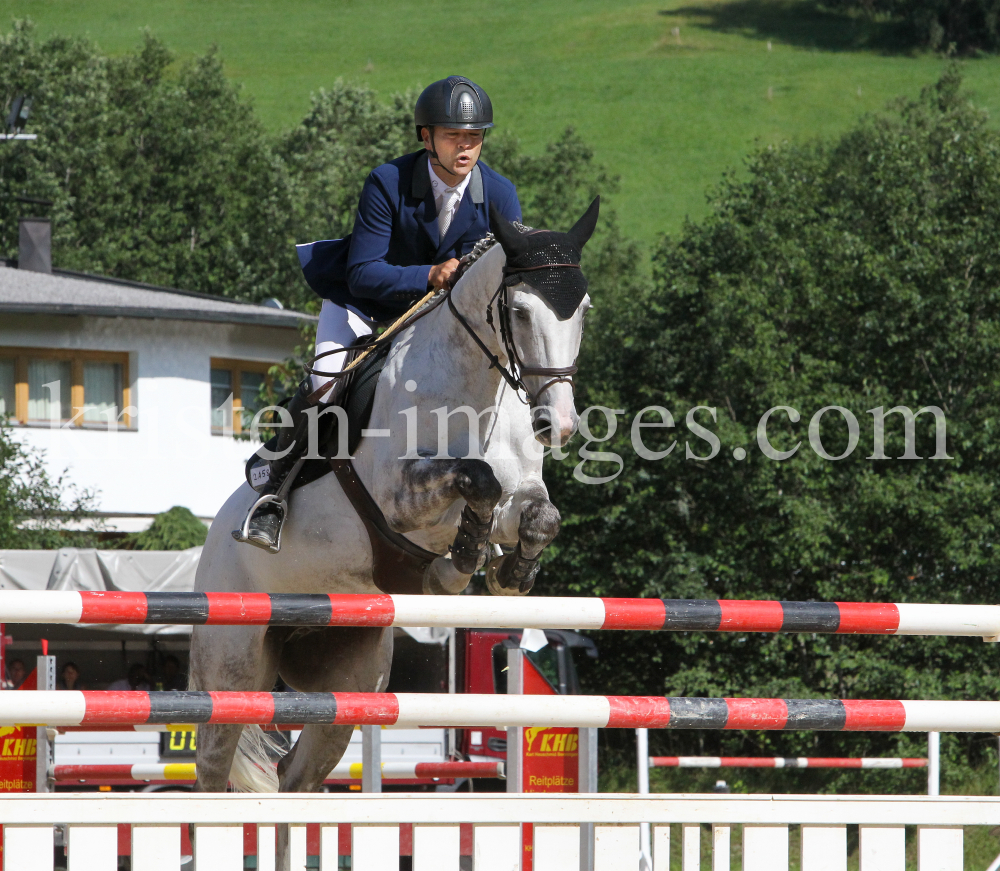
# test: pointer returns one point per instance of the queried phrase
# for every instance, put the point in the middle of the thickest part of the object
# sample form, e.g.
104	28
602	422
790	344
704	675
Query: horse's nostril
541	422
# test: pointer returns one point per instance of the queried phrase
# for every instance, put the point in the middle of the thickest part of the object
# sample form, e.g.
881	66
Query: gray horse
458	436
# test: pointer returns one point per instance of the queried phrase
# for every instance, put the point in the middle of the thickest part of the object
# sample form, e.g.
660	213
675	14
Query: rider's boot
264	528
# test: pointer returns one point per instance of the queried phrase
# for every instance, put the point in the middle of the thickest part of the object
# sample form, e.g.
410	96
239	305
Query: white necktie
447	212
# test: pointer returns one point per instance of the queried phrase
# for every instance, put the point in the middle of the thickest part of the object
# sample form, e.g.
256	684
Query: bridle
516	370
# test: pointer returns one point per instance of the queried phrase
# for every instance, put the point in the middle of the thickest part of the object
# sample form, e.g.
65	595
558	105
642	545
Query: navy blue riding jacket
382	267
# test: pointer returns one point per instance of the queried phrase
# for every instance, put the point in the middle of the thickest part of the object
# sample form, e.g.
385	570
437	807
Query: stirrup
243	533
278	500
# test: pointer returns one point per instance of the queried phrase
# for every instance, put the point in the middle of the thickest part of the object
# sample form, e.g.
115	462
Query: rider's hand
441	275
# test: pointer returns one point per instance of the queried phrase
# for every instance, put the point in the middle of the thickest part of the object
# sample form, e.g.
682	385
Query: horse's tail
253	766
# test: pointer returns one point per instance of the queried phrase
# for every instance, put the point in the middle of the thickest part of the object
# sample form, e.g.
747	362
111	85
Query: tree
35	510
863	273
158	177
175	529
968	27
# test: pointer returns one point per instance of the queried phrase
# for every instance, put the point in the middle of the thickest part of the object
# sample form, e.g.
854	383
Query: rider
417	216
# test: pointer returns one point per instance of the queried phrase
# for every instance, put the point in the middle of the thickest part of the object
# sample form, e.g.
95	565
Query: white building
139	392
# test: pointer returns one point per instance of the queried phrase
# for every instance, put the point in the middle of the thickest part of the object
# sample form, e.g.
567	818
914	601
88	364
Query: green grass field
670	94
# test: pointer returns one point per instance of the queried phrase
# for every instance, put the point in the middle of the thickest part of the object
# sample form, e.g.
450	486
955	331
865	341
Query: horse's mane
481	247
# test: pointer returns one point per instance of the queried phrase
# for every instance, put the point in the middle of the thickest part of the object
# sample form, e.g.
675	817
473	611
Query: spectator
172	678
16	673
137	679
70	678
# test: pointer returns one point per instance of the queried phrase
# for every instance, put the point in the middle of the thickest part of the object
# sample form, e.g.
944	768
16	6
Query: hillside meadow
669	94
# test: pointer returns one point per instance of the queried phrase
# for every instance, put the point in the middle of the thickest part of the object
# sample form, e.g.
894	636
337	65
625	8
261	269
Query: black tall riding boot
264	529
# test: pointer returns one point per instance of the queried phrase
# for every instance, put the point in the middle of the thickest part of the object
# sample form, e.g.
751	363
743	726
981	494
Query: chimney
34	249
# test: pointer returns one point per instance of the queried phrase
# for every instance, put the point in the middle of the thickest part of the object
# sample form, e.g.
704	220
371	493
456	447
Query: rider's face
457	151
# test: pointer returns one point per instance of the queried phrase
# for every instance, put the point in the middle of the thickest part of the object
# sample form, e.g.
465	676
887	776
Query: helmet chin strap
435	159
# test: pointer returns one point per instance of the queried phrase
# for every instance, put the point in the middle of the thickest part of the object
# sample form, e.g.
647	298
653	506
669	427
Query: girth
398	565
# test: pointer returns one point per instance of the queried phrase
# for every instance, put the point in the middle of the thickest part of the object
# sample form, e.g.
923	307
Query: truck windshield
554	661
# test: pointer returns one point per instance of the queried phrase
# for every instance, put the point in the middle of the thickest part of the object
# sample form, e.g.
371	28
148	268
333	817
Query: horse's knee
539	524
478	485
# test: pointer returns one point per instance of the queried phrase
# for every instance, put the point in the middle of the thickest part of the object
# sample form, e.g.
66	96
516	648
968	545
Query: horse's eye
521	314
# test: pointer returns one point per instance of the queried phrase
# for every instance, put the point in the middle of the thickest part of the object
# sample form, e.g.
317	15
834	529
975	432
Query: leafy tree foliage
860	273
964	26
176	529
346	134
164	174
34	508
168	179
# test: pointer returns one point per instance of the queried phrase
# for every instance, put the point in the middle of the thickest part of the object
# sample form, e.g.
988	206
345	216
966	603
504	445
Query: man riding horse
417	216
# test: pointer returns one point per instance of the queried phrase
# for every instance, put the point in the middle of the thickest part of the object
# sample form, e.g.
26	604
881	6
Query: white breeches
338	327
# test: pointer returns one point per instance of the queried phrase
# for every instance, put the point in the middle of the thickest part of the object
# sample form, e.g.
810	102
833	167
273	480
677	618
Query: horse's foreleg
537	524
429	488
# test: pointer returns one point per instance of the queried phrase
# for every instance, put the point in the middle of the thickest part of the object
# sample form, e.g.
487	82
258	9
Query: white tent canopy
141	571
83	569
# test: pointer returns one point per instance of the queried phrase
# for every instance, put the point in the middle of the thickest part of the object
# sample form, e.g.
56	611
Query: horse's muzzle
551	428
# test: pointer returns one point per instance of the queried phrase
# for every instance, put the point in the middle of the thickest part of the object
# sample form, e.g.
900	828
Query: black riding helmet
453	102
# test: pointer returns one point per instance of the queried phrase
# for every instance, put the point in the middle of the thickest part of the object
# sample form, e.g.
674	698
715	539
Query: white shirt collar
441	189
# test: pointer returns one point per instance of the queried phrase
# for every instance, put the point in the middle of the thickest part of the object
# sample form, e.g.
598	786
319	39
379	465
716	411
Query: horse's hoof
493	581
443	578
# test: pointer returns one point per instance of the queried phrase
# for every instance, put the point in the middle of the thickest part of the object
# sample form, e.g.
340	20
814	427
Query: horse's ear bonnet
547	260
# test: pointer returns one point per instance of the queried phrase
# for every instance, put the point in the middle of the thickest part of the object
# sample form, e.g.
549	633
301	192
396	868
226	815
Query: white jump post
934	763
642	766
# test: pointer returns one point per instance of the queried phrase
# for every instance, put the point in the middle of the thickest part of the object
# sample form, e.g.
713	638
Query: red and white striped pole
856	762
74	708
276	609
185	772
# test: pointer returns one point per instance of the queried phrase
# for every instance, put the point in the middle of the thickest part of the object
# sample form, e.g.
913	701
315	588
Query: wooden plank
765	848
92	848
824	848
557	848
374	848
437	848
266	841
329	847
690	847
939	848
496	848
156	848
721	845
882	848
28	848
661	848
616	848
297	848
219	848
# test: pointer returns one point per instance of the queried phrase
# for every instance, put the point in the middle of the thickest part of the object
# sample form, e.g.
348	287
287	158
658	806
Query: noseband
516	370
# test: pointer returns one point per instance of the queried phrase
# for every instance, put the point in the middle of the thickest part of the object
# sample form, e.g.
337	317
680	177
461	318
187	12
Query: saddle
399	565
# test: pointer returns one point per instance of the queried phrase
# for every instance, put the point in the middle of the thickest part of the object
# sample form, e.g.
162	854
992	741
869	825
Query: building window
236	386
7	388
65	388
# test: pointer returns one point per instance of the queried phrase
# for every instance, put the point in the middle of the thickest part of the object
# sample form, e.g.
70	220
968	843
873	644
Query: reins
514	375
424	307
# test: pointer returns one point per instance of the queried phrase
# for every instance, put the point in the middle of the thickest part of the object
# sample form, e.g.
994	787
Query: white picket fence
89	822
